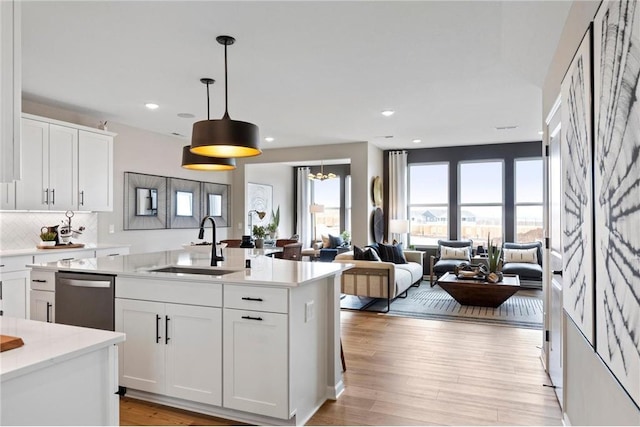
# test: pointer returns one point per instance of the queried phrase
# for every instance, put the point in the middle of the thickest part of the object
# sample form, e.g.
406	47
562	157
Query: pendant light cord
226	82
208	103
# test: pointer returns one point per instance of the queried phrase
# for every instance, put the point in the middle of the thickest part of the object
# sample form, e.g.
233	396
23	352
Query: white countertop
48	343
36	251
264	269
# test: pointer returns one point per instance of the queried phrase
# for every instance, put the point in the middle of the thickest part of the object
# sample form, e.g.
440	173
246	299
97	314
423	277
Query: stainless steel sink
193	270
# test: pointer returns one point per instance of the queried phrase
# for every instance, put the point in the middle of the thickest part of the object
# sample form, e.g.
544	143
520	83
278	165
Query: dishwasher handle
86	283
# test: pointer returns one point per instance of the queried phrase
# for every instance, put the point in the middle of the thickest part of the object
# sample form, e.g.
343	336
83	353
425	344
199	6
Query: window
481	201
528	200
428	203
347	202
327	193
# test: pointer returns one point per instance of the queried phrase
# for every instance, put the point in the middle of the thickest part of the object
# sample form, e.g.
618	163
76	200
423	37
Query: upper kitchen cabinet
10	90
50	179
68	167
95	171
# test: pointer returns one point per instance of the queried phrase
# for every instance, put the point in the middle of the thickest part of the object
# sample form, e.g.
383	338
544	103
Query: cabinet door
256	375
63	169
8	195
194	353
95	171
42	306
14	288
141	356
32	191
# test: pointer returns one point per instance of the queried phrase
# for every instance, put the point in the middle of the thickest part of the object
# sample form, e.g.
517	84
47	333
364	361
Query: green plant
346	236
259	232
493	255
48	236
275	218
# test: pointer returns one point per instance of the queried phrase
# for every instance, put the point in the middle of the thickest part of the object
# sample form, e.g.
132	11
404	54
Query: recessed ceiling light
417	141
186	115
269	139
388	113
151	105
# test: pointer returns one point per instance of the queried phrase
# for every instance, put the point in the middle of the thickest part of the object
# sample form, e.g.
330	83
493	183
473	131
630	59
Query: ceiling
305	72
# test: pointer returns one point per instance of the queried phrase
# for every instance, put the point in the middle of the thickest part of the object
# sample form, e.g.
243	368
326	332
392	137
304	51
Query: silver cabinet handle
86	283
53	196
82	198
46	196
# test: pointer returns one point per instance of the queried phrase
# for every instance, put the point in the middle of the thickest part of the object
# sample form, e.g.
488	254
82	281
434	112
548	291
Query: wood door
141	356
193	344
256	365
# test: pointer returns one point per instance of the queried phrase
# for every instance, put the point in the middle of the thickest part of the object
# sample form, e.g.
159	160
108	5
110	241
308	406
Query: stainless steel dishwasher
84	299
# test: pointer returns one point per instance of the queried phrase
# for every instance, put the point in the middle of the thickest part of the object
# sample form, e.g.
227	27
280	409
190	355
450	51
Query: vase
48	243
259	243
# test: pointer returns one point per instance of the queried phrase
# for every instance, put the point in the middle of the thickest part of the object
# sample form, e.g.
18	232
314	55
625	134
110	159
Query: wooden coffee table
478	292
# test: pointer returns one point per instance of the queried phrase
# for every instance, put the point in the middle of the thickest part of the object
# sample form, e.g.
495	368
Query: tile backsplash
21	230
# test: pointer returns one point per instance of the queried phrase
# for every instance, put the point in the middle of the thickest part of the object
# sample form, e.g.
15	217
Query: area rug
523	310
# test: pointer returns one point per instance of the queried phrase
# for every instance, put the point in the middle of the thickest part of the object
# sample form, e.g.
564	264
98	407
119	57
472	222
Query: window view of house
327	193
428	203
528	200
481	201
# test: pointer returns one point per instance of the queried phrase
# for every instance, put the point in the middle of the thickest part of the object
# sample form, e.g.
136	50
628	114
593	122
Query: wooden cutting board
68	246
7	342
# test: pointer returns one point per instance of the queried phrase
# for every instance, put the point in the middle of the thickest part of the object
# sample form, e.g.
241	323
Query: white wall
592	395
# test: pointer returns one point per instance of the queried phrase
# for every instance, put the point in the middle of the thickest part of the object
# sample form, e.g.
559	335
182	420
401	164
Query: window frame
446	205
525	204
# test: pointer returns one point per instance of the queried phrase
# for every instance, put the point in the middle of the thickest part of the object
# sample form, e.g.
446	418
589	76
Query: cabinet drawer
63	254
180	292
112	251
43	280
15	263
259	298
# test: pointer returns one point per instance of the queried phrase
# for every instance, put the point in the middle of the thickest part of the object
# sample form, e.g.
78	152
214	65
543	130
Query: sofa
380	279
525	260
449	255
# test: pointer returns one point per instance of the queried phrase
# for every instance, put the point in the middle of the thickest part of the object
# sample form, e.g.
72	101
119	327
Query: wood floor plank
405	371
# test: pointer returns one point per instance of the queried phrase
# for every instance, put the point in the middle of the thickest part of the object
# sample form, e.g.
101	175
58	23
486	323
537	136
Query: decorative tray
461	277
67	246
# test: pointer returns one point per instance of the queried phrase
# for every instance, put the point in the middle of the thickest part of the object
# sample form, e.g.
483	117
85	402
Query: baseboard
333	393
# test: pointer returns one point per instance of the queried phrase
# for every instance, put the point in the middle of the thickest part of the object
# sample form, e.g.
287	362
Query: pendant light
321	176
225	137
204	163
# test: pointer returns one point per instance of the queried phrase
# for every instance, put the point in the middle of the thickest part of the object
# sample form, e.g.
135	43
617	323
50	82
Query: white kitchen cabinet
123	250
41	306
14	294
7	195
10	90
95	171
50	180
256	362
171	349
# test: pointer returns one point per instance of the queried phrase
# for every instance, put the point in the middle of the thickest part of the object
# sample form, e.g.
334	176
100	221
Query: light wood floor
403	371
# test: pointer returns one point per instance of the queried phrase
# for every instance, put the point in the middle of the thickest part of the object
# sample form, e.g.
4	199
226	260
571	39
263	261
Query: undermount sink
192	270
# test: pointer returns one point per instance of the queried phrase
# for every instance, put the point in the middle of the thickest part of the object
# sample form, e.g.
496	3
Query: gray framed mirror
145	201
184	203
215	202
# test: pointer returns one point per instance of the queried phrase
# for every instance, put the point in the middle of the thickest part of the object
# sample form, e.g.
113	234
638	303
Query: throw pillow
447	252
335	241
325	242
529	256
366	254
391	253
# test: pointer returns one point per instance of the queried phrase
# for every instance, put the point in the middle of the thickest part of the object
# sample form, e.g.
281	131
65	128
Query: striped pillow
447	252
528	256
391	253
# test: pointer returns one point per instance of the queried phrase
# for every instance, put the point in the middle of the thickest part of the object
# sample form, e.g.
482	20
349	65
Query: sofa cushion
445	265
391	253
448	252
404	280
536	245
413	268
366	254
454	244
524	270
529	256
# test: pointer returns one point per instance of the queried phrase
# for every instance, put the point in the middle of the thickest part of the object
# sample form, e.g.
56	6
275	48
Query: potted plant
272	228
493	261
346	236
48	238
259	232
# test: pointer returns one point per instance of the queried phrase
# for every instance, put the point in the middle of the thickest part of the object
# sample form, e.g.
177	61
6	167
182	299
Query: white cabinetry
7	195
95	171
43	286
256	347
10	90
50	179
171	349
14	286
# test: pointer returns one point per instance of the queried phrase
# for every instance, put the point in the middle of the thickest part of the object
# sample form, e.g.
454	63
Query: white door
32	191
255	360
41	306
95	171
193	341
141	356
14	287
63	168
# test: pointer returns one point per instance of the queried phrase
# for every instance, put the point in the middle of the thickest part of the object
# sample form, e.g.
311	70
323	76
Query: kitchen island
258	345
62	375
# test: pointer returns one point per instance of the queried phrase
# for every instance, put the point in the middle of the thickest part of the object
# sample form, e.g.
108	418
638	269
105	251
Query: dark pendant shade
203	163
225	138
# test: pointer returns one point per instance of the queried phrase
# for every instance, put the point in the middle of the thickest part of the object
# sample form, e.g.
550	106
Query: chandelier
321	176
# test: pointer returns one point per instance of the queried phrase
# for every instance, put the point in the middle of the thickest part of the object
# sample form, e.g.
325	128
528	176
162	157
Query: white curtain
398	185
304	201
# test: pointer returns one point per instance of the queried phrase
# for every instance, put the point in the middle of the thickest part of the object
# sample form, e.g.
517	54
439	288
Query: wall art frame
260	198
617	190
181	215
134	181
212	189
577	183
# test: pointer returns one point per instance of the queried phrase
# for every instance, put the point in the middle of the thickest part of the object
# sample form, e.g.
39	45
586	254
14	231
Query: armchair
449	255
523	259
